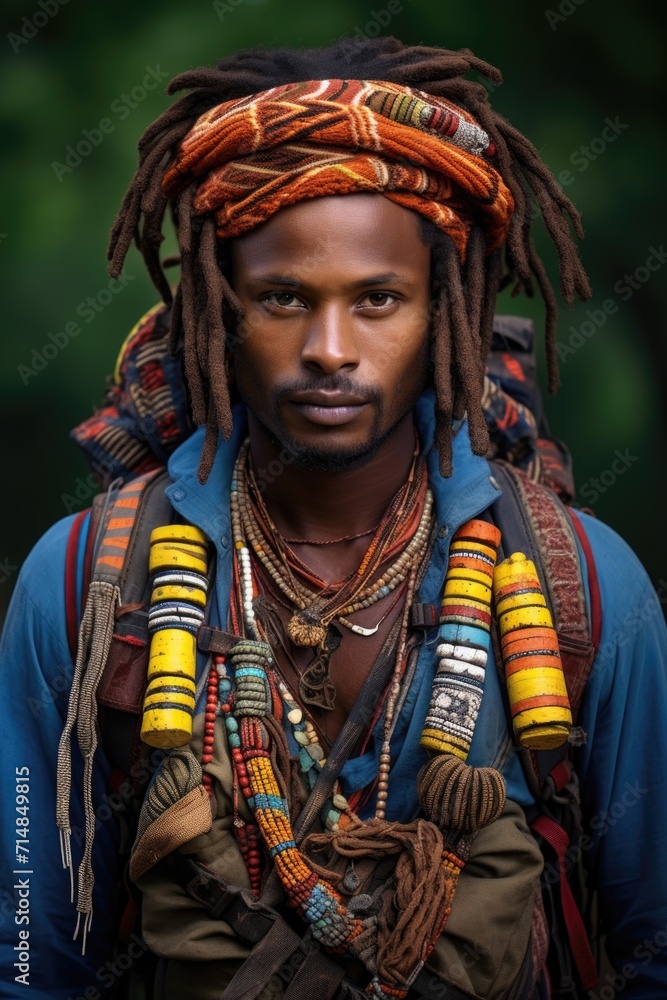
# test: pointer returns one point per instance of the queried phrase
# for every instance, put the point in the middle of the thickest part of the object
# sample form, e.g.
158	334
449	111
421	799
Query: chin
325	455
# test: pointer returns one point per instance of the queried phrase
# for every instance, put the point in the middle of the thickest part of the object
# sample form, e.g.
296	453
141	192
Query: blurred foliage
568	67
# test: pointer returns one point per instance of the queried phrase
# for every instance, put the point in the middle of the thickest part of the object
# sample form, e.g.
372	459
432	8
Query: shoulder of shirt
42	577
618	568
631	608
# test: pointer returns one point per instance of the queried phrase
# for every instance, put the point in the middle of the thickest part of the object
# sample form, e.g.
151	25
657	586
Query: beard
330	458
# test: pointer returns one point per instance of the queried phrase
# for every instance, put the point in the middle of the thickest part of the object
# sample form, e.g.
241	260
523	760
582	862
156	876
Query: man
342	243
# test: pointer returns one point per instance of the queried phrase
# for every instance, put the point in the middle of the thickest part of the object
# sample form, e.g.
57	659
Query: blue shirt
621	768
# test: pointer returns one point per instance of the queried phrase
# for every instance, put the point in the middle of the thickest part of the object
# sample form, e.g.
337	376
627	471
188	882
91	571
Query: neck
320	505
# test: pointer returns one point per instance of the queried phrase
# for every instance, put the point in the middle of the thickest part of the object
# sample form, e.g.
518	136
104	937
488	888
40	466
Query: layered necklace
399	544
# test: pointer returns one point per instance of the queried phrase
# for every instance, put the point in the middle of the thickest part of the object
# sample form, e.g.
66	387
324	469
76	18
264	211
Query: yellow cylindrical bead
179	592
441	742
453	601
173	652
525	618
171	556
543	736
185	685
166	728
534	683
468	589
169	702
178	547
461	573
515	601
159	696
178	533
539	703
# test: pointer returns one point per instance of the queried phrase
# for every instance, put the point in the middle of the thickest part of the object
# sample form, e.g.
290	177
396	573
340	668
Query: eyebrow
376	279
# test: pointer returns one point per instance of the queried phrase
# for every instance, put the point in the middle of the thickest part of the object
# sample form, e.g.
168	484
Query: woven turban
252	156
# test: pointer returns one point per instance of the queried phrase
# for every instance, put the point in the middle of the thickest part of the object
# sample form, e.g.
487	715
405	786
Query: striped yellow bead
542	732
166	728
536	681
177	555
173	651
516	567
469	546
468	602
178	533
181	680
479	576
525	618
158	696
434	739
177	592
468	588
545	736
535	597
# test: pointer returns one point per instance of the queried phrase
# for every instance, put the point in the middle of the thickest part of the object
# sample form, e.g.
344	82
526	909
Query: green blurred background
568	67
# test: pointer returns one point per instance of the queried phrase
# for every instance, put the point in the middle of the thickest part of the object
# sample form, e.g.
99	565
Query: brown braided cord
457	796
413	905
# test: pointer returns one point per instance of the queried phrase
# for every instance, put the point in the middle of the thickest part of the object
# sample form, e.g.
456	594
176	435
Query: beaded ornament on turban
258	154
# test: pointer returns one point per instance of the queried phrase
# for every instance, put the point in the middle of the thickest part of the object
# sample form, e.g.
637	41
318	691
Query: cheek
401	358
258	357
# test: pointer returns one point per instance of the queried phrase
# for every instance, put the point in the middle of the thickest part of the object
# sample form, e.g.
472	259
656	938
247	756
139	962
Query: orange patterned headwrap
260	153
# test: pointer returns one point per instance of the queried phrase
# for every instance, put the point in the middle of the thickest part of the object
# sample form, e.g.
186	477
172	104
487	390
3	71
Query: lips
330	409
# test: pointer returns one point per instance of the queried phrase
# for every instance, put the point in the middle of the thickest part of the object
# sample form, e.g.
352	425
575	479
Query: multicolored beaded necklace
318	608
402	535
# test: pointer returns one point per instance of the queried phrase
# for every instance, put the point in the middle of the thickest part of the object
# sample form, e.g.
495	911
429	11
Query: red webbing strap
560	775
71	560
90	548
558	839
593	583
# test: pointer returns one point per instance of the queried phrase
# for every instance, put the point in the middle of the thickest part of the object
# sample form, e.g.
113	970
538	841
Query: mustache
339	382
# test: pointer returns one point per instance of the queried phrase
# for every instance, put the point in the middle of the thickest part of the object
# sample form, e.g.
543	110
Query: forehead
356	231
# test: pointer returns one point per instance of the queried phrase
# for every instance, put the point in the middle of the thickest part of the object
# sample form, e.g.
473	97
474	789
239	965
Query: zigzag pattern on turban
260	153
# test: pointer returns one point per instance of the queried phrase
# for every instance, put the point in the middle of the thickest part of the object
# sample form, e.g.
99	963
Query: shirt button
494	483
443	531
224	541
178	495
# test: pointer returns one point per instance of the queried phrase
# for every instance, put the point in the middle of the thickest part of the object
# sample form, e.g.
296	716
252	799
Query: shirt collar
466	493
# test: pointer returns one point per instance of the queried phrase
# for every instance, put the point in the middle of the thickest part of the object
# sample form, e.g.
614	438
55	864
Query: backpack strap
533	520
124	679
532	517
78	532
593	582
79	566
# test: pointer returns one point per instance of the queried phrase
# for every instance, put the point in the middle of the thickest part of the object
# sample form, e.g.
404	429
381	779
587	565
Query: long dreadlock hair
204	304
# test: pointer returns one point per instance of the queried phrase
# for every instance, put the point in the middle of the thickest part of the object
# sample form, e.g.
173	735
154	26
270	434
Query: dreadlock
204	303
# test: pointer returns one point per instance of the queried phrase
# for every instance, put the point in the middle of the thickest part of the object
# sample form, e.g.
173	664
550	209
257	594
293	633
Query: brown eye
378	299
285	299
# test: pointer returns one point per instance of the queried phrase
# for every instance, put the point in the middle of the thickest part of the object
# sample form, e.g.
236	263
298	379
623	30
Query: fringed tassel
95	634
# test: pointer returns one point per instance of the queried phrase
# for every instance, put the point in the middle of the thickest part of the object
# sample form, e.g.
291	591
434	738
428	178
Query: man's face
332	351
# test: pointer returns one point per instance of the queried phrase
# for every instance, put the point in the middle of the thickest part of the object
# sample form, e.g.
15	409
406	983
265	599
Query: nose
330	345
